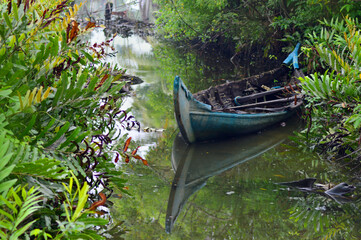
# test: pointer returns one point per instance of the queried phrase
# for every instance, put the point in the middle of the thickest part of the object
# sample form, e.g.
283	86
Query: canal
216	190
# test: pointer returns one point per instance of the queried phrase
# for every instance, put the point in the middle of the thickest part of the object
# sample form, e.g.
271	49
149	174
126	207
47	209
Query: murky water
218	190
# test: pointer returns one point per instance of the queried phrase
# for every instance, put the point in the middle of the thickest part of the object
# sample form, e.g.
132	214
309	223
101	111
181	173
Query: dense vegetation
334	101
58	107
246	26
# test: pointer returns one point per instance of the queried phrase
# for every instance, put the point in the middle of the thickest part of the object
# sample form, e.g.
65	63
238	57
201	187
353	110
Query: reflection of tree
197	71
154	105
321	217
144	211
128	56
326	217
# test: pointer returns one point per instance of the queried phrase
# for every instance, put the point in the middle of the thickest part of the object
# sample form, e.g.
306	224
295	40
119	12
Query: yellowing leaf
21	101
26	98
278	175
38	95
46	94
32	95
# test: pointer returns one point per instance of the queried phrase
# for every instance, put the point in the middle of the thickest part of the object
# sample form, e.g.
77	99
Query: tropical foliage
334	95
244	24
59	105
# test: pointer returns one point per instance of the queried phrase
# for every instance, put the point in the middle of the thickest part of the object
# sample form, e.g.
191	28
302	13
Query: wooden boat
238	107
194	164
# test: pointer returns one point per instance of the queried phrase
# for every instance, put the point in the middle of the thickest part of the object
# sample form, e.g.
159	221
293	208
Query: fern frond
43	168
5	164
33	97
18	205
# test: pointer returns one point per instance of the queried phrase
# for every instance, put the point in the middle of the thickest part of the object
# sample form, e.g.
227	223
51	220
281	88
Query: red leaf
138	157
127	159
145	162
102	81
135	151
126	145
43	17
26	5
90	25
98	203
74	31
116	158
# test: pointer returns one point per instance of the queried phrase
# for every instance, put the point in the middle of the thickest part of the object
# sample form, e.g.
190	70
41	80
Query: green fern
44	168
77	224
18	205
5	164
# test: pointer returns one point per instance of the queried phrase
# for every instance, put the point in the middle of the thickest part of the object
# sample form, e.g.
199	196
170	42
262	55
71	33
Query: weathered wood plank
262	94
282	100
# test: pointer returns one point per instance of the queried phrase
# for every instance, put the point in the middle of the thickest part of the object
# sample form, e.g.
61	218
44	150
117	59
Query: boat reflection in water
194	164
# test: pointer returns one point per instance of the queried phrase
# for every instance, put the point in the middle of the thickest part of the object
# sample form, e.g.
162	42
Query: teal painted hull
220	125
197	122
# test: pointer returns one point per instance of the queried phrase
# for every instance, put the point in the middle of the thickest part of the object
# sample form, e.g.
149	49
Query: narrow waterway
221	190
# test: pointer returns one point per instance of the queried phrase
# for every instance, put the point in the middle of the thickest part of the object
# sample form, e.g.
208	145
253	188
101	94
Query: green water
224	190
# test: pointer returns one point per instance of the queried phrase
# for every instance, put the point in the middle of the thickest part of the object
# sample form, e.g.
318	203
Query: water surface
218	190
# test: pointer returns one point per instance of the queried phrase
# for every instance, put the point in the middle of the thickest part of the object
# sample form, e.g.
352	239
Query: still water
217	190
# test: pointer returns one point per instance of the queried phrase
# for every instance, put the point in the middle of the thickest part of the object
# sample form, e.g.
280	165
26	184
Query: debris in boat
266	88
242	99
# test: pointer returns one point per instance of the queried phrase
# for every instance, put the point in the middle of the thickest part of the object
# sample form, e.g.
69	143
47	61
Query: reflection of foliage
197	70
325	217
144	213
315	213
155	105
239	203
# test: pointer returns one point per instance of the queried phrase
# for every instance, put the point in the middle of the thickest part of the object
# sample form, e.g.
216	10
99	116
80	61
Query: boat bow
184	103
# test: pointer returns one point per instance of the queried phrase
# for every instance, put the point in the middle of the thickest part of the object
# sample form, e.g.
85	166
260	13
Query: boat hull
208	126
197	122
